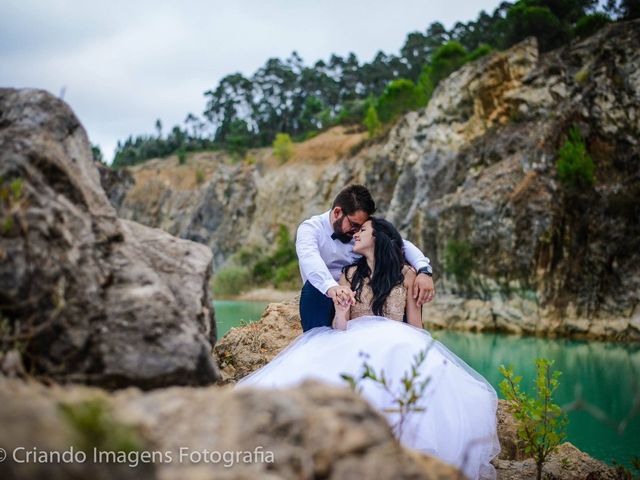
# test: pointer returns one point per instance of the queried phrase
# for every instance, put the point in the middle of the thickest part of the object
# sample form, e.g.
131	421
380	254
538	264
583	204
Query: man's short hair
354	198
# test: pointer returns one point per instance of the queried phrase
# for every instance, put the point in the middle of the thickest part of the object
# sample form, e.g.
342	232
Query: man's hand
342	296
423	289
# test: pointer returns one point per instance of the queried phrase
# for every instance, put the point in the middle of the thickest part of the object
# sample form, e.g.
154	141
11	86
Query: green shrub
590	24
238	139
447	59
182	156
582	76
283	147
399	96
352	111
525	20
540	422
372	122
231	280
287	276
575	166
459	260
481	51
283	256
199	176
10	202
95	427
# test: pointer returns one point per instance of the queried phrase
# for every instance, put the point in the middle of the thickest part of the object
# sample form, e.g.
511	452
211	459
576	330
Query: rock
34	422
511	447
567	463
85	296
311	431
115	182
245	349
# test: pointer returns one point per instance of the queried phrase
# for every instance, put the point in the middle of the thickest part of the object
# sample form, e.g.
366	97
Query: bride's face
364	240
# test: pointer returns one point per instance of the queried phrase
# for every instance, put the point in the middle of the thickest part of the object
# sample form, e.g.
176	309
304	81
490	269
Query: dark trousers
316	309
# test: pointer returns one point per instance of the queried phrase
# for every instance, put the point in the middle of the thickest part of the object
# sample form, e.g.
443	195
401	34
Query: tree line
285	96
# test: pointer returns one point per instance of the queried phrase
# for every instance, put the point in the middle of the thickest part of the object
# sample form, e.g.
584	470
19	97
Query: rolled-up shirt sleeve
312	267
415	257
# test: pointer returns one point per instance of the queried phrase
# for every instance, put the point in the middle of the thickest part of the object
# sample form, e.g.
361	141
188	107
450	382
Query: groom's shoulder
315	221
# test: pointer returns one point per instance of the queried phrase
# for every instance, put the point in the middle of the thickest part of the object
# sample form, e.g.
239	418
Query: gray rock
84	295
311	431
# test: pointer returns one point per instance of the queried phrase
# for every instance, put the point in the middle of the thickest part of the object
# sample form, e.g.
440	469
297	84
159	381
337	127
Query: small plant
280	267
582	76
283	147
372	122
182	156
231	281
95	427
407	398
540	422
199	176
11	196
459	260
575	165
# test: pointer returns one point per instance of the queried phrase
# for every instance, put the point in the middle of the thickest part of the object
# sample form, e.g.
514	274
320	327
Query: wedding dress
458	424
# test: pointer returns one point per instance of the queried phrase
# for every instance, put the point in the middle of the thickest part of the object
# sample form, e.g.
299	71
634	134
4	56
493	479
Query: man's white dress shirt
322	259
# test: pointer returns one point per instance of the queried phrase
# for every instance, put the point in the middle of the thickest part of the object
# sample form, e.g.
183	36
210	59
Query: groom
324	244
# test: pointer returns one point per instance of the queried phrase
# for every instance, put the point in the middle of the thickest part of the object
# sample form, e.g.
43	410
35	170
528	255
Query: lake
608	373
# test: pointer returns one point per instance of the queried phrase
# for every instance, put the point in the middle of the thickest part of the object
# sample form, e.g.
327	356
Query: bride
453	419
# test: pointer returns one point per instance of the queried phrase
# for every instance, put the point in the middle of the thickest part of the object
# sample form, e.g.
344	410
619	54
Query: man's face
348	225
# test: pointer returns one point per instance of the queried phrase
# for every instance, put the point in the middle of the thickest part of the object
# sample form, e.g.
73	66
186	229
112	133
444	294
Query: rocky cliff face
84	295
476	167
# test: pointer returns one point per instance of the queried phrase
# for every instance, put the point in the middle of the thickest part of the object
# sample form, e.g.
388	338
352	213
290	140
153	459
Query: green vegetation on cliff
289	97
253	267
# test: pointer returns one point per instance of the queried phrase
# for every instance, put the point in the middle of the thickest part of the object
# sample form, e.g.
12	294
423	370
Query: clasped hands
423	291
343	297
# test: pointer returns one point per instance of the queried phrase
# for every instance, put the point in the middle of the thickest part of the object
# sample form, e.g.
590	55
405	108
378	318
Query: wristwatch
426	271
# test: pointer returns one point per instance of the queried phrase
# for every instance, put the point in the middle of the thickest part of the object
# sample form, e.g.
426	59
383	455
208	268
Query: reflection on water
609	374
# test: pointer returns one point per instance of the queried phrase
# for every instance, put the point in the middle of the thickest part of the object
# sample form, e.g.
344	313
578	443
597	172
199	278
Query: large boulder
85	296
312	431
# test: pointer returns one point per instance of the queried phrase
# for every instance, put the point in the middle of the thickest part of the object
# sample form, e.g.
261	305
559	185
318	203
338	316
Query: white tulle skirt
458	424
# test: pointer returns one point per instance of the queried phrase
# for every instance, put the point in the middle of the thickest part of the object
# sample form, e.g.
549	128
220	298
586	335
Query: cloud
123	64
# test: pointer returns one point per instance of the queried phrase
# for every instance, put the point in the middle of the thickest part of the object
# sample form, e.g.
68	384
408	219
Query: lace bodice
393	307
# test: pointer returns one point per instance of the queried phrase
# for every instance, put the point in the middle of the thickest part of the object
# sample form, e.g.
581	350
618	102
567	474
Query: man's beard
343	237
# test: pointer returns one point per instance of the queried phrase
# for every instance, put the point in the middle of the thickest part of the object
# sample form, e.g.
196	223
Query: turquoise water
230	313
609	374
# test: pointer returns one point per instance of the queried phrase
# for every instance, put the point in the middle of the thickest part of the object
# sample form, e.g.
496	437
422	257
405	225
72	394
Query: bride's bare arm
414	312
341	317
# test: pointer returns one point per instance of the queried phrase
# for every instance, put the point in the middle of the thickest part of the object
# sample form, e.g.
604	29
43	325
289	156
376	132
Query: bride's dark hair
389	261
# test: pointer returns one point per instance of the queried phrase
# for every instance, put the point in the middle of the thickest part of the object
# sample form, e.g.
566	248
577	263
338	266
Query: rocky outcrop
243	350
115	182
85	296
477	166
312	431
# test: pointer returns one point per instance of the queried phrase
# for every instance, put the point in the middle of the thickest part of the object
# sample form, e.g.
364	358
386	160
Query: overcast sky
123	64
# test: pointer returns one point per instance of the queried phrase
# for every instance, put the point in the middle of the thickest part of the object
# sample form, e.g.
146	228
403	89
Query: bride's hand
342	295
341	307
